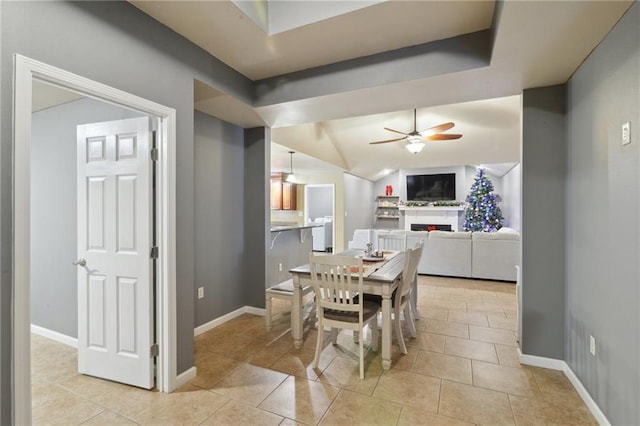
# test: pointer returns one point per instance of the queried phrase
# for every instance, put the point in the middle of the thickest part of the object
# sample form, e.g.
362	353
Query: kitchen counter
278	228
290	245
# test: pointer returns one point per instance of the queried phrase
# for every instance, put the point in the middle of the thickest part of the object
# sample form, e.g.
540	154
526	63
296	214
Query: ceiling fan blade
396	131
437	129
385	141
443	137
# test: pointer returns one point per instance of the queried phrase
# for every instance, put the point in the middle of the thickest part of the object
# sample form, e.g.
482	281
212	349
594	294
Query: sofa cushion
360	238
447	253
450	235
496	236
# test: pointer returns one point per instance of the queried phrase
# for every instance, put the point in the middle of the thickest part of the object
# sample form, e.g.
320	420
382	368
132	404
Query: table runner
370	267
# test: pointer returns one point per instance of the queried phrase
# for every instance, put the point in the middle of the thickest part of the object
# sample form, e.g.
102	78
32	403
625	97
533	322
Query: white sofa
495	255
481	255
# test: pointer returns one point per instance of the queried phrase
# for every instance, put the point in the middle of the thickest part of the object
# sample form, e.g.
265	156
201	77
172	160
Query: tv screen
431	187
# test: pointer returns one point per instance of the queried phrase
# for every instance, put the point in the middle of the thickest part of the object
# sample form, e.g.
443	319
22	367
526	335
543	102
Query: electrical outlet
626	133
279	267
200	292
592	345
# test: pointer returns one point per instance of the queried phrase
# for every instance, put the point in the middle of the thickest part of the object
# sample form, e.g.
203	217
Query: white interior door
115	312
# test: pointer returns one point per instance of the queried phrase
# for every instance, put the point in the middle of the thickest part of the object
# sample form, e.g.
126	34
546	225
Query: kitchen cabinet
283	193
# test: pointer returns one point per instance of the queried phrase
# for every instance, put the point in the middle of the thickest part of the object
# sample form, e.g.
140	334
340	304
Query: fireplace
447	218
430	227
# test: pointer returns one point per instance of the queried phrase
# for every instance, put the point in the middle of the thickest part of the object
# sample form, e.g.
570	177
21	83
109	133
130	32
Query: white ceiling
47	95
536	44
223	30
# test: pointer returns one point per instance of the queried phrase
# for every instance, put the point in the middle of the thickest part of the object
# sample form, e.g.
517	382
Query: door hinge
155	350
154	252
154	154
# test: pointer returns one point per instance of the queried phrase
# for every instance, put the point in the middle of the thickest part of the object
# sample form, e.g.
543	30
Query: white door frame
25	71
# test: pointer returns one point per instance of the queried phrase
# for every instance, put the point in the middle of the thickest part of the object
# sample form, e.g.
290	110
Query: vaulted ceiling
329	76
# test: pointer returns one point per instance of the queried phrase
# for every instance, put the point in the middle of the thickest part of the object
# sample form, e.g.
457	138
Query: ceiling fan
416	139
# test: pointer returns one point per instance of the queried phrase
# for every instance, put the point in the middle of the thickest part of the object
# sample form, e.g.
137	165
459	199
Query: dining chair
392	242
402	296
337	280
399	242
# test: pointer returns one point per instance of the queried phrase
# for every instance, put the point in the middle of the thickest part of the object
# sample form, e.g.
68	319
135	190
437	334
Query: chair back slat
411	261
392	242
336	281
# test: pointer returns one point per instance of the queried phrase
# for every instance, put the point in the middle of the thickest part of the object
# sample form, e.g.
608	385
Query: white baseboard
255	311
538	361
227	317
183	378
54	335
557	364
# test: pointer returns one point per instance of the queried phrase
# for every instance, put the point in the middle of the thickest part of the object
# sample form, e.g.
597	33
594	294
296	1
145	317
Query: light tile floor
461	369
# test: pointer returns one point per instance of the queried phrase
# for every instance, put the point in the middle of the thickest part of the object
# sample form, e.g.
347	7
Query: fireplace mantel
449	215
436	208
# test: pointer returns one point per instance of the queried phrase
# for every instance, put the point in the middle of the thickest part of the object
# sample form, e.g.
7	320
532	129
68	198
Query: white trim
538	361
254	311
25	70
55	336
227	317
557	364
184	378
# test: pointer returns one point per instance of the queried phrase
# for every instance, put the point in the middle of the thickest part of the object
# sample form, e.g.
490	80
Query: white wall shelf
388	209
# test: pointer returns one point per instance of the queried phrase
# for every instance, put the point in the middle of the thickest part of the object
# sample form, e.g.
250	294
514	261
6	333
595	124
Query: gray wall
219	222
392	179
543	221
319	200
358	199
115	44
603	230
289	251
53	209
257	212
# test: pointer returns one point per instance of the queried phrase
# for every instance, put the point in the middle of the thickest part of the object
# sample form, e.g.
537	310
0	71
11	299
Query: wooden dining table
382	282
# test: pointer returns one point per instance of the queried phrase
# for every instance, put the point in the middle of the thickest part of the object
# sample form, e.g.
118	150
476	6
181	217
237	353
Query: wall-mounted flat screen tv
431	187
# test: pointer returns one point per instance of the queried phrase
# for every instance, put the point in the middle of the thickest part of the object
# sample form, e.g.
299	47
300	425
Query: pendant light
291	178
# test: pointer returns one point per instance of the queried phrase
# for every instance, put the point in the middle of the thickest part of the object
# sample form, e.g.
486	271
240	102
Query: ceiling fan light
415	139
415	147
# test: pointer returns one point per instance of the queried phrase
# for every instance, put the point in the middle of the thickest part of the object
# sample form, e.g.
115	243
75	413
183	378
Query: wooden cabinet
283	193
276	193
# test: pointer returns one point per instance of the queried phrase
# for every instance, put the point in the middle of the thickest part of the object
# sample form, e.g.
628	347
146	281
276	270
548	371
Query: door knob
81	262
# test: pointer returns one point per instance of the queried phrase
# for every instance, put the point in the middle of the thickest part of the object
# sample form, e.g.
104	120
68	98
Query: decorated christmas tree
482	212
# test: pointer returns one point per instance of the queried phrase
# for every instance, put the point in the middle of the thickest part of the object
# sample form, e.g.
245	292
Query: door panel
115	327
96	213
126	218
97	320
